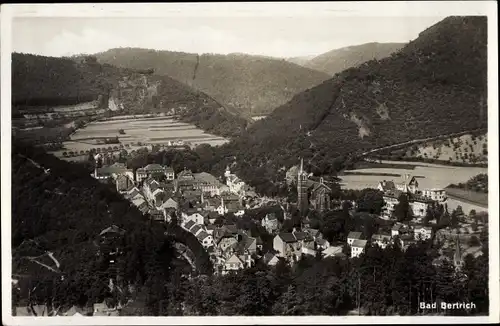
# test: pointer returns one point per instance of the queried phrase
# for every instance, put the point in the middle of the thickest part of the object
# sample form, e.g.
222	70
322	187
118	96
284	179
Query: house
124	182
391	199
382	240
419	205
322	243
205	239
288	244
170	204
111	171
434	194
154	170
357	247
233	263
422	232
396	230
207	183
246	244
270	259
410	186
197	218
386	186
226	241
270	223
353	236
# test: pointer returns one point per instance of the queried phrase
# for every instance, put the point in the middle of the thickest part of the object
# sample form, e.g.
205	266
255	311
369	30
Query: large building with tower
312	194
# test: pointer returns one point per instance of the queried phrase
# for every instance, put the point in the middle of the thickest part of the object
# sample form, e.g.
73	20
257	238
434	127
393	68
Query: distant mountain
39	81
250	85
435	85
341	59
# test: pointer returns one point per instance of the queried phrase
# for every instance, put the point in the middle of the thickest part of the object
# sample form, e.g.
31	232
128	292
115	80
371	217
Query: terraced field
138	131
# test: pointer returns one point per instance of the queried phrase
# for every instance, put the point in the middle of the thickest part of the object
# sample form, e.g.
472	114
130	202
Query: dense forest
39	82
249	85
337	60
435	85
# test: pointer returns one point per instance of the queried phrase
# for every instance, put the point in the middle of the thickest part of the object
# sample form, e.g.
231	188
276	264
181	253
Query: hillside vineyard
154	182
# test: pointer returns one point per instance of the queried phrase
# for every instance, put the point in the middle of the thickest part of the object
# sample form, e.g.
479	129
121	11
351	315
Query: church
312	194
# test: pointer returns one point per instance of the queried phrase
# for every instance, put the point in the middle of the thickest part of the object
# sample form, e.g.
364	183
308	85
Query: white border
359	9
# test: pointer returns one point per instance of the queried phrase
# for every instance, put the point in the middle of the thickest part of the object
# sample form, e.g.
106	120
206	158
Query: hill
435	85
40	82
250	85
341	59
58	213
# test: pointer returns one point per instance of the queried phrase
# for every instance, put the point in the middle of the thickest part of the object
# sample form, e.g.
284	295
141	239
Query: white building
434	194
382	240
357	248
422	232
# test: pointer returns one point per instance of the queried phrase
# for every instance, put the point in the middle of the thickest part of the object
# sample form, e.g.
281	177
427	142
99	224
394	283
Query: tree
371	201
402	210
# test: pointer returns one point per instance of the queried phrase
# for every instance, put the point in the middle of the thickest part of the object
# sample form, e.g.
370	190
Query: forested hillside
435	85
44	82
249	85
337	60
59	211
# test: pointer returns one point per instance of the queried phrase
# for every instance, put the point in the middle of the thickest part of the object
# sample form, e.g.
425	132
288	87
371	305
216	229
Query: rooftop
359	243
287	237
207	178
354	235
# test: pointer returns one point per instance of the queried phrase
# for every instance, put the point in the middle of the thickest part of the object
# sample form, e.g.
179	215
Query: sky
278	36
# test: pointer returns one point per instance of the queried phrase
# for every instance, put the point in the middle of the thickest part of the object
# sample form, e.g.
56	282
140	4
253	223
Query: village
206	206
199	203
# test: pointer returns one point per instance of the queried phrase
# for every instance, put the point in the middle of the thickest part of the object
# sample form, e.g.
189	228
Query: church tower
302	198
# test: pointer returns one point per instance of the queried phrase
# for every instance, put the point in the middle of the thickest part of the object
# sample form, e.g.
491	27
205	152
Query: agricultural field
136	132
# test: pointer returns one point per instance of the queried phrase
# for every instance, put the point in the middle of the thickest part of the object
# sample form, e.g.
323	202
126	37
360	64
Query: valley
166	183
